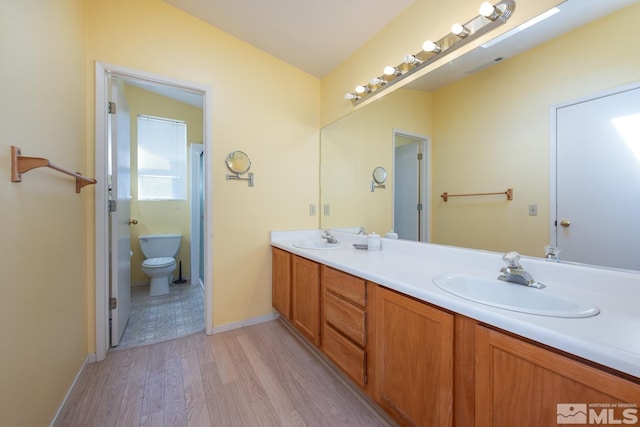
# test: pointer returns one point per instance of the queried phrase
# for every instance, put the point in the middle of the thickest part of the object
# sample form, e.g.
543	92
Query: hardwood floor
261	375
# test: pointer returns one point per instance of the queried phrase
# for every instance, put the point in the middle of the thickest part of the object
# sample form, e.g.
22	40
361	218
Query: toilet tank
160	245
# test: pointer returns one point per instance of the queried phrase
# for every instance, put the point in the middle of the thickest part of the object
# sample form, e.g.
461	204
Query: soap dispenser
373	242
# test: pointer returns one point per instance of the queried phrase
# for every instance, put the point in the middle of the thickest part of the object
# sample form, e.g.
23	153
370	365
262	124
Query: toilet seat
158	262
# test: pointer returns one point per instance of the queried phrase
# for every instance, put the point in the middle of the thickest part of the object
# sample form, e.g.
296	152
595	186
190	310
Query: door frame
103	71
553	146
425	180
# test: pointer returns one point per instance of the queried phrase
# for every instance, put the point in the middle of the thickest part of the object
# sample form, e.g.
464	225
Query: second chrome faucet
514	272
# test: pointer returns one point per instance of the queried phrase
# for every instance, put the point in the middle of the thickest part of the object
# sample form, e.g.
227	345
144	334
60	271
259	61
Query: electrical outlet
312	209
533	210
326	208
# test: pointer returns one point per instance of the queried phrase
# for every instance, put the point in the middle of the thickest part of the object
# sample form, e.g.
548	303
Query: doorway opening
411	159
113	214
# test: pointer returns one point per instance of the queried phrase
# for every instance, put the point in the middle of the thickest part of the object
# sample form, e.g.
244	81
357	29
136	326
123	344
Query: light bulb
489	11
411	60
391	71
459	30
377	81
362	89
350	96
430	46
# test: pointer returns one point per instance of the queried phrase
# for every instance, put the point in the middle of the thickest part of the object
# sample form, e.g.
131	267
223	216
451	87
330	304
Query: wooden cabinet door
281	282
414	360
305	295
521	384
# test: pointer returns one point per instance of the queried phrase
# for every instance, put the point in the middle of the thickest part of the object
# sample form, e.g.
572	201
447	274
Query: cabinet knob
565	223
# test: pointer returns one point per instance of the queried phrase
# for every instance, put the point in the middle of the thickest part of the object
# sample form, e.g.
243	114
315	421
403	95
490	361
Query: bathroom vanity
431	358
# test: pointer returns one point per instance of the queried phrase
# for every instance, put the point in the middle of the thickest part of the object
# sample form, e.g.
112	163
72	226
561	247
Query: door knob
132	221
565	223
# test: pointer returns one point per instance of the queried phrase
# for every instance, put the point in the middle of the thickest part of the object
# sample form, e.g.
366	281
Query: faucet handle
512	258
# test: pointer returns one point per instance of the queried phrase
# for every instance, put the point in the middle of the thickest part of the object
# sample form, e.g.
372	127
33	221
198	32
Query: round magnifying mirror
379	175
238	162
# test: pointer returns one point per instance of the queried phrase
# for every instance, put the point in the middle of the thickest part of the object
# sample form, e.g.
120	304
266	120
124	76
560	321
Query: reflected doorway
410	186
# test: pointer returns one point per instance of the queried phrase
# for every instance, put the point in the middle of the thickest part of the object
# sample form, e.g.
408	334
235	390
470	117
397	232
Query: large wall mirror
486	123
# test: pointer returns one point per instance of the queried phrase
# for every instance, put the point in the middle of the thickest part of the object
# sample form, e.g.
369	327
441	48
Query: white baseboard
91	358
243	323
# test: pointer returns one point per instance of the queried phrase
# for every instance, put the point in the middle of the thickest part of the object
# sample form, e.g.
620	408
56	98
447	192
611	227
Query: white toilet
160	251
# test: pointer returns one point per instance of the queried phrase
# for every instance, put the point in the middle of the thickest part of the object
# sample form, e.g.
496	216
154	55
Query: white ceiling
312	35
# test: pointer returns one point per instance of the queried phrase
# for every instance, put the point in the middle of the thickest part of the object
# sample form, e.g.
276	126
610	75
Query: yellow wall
160	217
353	146
423	20
491	131
43	308
261	105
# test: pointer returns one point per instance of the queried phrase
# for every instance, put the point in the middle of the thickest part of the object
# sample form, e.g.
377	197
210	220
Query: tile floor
165	317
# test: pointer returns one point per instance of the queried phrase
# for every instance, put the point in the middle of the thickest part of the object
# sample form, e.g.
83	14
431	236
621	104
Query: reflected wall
489	132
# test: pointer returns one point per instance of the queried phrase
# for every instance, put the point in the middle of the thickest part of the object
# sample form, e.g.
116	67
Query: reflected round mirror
380	175
238	162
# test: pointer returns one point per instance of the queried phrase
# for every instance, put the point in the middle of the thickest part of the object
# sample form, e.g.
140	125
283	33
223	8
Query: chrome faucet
514	272
326	235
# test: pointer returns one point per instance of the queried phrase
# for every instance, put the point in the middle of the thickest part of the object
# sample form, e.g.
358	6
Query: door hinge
419	206
112	107
419	156
113	303
113	206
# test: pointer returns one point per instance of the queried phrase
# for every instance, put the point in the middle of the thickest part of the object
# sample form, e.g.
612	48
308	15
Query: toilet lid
158	262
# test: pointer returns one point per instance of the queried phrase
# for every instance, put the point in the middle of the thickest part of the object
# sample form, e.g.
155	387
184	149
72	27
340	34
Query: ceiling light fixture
490	17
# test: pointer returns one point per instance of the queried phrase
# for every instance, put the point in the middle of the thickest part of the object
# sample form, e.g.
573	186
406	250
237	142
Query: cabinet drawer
348	356
345	317
346	285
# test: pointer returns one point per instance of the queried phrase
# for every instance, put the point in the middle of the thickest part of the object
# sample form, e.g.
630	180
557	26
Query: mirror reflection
238	162
490	129
379	175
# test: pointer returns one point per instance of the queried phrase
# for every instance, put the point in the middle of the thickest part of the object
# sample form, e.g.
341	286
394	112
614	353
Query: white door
406	192
598	180
119	140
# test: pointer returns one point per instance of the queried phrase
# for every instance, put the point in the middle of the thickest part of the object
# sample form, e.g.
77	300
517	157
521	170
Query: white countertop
612	338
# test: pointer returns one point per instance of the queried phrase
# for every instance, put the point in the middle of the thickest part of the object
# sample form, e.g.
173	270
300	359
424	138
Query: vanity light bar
490	16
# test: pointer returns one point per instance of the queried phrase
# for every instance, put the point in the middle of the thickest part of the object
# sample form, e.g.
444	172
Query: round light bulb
430	46
361	89
390	70
376	81
488	11
349	96
459	30
411	60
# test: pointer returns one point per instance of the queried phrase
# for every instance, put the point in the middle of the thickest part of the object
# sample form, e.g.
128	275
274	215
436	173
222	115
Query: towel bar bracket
21	164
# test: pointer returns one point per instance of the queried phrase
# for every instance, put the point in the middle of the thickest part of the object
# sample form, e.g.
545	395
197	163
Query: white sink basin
317	244
514	297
